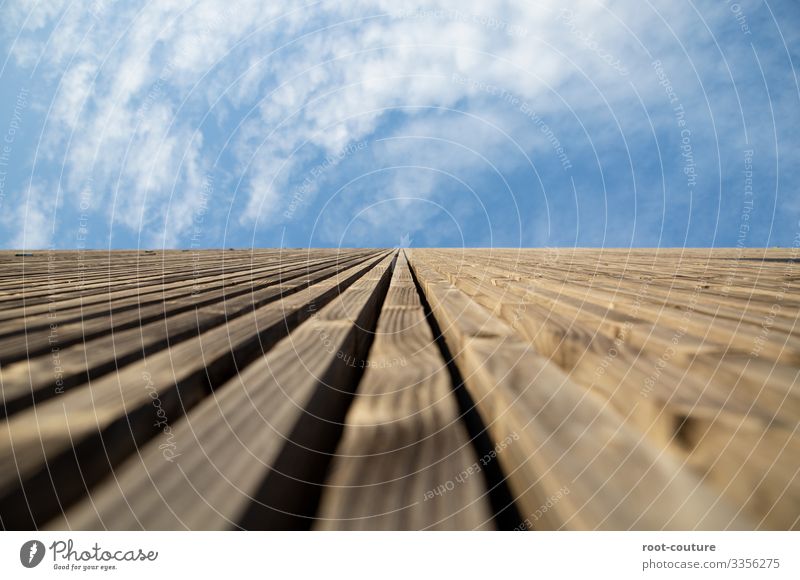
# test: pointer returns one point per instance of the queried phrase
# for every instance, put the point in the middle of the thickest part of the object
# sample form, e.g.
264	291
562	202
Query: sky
378	123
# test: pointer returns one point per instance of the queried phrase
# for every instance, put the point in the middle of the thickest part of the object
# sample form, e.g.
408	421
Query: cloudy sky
244	123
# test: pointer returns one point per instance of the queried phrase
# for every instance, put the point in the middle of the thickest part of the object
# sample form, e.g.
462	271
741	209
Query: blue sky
218	124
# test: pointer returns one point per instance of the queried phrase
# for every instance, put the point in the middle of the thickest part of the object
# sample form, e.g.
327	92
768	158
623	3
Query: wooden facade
535	389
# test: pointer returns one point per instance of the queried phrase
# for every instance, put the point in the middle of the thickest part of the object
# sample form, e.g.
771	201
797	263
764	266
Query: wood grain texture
404	460
228	442
364	389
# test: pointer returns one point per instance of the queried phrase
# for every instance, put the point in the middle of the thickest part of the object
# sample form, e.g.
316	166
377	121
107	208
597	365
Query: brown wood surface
400	389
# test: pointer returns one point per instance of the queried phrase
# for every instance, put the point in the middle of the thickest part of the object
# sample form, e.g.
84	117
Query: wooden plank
174	321
568	437
128	309
714	396
126	287
226	446
402	462
121	405
69	275
671	398
620	387
608	359
652	323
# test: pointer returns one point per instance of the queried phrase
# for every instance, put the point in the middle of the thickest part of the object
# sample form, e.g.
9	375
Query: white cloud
31	219
314	80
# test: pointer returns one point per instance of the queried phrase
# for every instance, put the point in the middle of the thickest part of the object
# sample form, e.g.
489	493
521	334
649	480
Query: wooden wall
400	389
